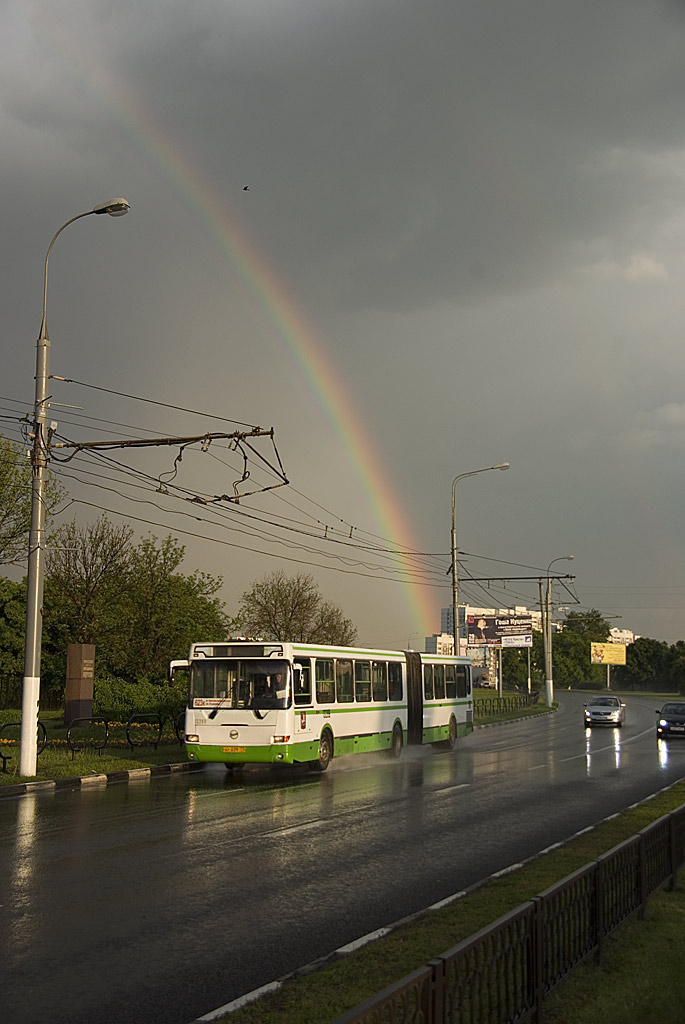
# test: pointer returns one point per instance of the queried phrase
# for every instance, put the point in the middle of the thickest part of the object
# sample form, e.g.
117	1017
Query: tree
571	648
129	600
648	664
280	607
167	610
87	580
15	502
12	626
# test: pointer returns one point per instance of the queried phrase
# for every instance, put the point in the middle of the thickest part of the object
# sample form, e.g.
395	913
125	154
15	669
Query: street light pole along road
455	576
41	448
547	632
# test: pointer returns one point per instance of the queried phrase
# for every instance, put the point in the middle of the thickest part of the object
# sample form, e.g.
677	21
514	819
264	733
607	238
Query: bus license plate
234	750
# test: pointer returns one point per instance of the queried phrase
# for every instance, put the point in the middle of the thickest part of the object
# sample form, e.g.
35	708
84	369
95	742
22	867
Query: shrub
116	699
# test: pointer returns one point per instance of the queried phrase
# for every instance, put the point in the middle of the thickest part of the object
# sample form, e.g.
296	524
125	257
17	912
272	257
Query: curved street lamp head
561	558
501	465
115	208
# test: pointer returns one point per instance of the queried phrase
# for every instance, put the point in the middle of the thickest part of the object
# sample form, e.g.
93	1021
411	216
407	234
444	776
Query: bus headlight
280	739
192	737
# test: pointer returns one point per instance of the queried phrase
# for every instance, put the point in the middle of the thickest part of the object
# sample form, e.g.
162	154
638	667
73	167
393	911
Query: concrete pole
41	446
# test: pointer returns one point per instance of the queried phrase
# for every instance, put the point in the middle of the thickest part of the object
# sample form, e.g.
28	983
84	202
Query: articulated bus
253	702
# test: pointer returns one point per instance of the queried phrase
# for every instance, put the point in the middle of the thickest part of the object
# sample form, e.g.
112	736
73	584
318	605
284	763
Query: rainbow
304	344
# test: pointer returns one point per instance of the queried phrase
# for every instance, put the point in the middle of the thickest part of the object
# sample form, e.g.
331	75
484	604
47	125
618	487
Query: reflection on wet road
158	901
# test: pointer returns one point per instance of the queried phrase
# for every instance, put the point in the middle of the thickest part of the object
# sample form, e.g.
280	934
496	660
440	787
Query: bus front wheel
325	753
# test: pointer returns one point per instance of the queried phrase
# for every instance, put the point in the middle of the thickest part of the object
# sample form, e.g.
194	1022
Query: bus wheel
325	753
451	741
397	741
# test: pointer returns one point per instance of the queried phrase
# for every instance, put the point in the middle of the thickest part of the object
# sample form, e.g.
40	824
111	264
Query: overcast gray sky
462	243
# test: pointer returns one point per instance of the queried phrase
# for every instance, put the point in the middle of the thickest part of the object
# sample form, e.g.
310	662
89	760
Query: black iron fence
11	687
503	974
490	707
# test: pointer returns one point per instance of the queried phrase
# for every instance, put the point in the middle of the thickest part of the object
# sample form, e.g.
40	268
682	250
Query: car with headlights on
606	710
671	720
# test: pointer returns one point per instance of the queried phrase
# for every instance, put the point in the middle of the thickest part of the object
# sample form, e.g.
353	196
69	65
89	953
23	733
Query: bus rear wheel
451	741
397	741
325	753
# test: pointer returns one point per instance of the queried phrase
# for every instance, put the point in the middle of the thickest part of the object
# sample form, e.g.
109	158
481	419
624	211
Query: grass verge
609	995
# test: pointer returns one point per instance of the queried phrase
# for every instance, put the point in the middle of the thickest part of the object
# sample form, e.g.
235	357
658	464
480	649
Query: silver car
604	711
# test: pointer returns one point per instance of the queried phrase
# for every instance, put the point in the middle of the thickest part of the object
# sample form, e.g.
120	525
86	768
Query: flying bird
246	188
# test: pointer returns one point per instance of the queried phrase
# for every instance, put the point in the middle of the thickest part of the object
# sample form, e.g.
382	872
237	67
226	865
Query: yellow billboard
608	654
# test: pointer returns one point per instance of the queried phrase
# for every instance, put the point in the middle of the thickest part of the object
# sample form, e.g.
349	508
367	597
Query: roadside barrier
503	974
491	706
87	739
141	719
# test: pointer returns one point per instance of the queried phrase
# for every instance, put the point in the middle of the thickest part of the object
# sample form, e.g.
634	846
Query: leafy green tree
280	607
15	502
131	601
515	669
167	610
676	668
648	665
571	648
12	626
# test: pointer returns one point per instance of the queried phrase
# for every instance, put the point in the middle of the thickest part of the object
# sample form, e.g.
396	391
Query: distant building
439	643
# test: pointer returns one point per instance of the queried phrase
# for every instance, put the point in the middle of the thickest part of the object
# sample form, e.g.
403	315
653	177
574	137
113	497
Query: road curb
105	779
131	774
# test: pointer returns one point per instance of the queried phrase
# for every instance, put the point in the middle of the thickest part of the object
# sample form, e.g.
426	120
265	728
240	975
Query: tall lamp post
455	577
547	632
41	444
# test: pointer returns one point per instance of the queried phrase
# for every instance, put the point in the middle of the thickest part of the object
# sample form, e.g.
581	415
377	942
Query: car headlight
663	722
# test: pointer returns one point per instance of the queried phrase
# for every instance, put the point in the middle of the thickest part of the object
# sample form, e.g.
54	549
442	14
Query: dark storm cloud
409	153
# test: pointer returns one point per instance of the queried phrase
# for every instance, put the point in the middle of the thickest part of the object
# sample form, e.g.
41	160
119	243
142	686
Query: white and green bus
253	702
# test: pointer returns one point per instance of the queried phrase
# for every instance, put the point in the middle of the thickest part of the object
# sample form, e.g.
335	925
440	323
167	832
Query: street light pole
41	447
455	575
547	632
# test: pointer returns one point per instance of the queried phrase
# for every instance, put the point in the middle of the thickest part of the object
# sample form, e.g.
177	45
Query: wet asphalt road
156	902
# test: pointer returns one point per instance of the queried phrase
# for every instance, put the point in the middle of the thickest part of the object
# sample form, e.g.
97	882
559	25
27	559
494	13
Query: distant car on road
604	711
671	720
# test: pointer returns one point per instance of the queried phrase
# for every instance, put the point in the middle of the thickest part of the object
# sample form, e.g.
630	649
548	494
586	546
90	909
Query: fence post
673	852
437	1002
599	909
538	955
642	873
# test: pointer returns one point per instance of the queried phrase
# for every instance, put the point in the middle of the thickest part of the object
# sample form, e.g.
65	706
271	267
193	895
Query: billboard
608	654
499	631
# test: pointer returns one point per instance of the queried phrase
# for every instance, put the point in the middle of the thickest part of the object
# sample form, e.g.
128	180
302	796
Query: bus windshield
262	683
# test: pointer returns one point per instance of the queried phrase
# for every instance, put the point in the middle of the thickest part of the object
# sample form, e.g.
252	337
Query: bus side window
428	682
439	681
462	681
325	684
343	681
395	680
362	680
450	682
303	682
379	673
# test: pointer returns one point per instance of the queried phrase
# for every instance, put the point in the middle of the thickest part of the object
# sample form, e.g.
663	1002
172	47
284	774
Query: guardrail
503	974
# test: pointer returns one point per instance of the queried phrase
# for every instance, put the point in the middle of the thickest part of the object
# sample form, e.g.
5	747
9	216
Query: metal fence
503	974
11	687
486	707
